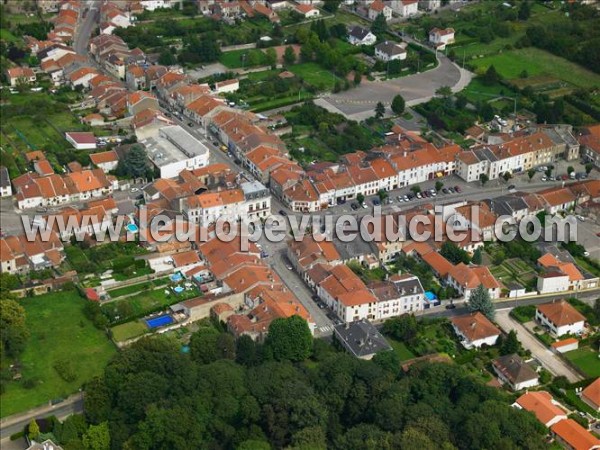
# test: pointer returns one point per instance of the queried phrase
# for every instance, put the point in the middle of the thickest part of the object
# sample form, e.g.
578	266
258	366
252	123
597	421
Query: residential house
16	75
18	255
405	8
589	139
475	330
308	11
465	279
5	187
591	395
560	318
390	51
106	161
139	101
515	372
223	87
361	36
361	339
573	436
377	8
440	37
541	403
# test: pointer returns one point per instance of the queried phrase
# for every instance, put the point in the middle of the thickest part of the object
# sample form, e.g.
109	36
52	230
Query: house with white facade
515	372
405	8
541	403
5	187
361	36
560	318
475	330
390	51
440	37
377	8
465	279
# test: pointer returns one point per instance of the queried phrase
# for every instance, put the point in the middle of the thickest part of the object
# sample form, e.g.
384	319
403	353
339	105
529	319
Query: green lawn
128	330
511	63
59	332
401	349
314	74
146	302
586	360
233	59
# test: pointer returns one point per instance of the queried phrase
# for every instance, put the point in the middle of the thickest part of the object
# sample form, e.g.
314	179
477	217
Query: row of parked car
409	197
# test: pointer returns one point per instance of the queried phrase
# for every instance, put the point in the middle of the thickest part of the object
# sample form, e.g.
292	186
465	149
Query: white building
81	140
174	149
440	37
222	87
547	410
560	318
552	281
515	372
361	36
475	330
405	8
390	51
151	5
5	187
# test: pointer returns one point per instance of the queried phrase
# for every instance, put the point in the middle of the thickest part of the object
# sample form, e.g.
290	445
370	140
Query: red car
457	189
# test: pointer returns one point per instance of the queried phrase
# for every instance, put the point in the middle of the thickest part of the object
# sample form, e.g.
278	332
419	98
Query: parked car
451	190
512	187
400	199
418	194
376	202
282	213
354	206
457	189
406	198
544	178
364	205
450	306
445	190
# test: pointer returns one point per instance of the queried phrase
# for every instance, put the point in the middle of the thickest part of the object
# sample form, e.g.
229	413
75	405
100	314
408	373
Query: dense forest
293	392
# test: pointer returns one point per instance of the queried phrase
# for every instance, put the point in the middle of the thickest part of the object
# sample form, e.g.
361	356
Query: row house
139	101
465	279
19	255
78	222
589	139
33	190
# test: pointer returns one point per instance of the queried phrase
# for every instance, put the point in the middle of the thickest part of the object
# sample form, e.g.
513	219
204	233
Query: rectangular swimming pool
132	227
159	321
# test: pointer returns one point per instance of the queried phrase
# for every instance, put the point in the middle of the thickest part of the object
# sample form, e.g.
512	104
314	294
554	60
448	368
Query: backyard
515	269
586	360
128	330
62	339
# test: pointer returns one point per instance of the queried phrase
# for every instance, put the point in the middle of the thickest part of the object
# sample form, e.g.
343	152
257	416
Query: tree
289	56
403	328
439	185
203	345
588	168
484	179
444	92
167	57
491	76
289	339
360	198
271	57
531	174
33	430
570	170
13	329
477	258
524	11
597	309
382	194
379	110
454	254
524	74
510	344
549	171
379	25
507	176
481	301
97	437
357	78
415	189
134	164
398	104
331	6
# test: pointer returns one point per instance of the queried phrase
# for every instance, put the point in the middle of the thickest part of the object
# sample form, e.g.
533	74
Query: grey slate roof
361	338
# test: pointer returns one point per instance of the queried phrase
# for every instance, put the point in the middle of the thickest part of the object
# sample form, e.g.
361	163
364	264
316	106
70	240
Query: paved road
538	350
359	103
85	28
13	424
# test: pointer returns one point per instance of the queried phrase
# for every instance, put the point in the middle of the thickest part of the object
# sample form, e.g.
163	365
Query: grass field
128	330
401	349
233	59
314	74
586	360
511	63
59	332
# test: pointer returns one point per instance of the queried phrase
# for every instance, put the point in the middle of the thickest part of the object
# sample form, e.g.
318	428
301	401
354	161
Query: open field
314	74
402	351
128	330
511	63
59	333
586	360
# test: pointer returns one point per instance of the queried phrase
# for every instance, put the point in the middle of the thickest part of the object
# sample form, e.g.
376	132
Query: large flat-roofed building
174	150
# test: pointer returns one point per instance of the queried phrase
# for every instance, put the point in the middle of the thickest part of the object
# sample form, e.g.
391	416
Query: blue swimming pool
176	277
160	321
178	289
132	227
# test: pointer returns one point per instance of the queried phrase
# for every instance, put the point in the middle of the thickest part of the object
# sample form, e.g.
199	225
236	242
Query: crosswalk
326	329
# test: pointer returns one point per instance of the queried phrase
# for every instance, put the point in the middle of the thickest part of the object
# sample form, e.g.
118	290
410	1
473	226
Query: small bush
65	370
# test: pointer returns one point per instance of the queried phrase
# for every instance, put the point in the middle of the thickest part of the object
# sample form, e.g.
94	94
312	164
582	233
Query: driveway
359	103
549	360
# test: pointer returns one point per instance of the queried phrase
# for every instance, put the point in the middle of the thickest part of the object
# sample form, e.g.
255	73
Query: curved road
359	103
